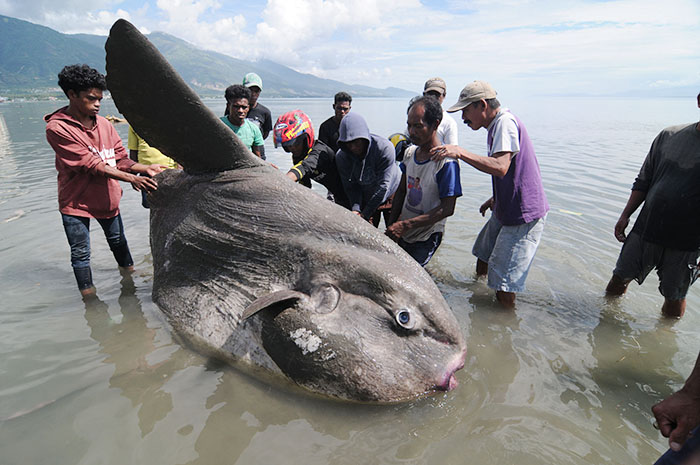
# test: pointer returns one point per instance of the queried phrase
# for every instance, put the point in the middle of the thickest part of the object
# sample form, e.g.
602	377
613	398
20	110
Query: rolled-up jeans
78	233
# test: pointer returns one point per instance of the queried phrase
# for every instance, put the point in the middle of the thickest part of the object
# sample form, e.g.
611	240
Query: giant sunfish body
265	274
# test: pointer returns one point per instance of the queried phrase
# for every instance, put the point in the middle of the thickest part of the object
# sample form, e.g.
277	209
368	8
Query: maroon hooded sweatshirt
81	156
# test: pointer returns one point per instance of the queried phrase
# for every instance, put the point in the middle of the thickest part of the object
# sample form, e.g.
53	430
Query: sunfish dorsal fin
163	109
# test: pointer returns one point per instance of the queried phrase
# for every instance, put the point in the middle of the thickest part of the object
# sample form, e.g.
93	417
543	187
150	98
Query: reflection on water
137	379
568	377
5	150
632	371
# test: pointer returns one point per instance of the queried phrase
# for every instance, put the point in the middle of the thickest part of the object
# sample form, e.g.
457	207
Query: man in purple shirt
507	243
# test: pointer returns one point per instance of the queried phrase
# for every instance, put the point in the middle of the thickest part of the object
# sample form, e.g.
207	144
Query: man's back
669	176
147	155
328	133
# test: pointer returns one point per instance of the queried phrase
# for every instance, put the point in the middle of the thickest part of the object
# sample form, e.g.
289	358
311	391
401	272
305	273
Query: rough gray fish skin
263	273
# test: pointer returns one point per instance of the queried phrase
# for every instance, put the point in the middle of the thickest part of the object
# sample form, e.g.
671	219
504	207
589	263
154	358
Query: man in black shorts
666	235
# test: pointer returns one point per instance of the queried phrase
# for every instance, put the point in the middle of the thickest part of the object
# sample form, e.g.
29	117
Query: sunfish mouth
448	381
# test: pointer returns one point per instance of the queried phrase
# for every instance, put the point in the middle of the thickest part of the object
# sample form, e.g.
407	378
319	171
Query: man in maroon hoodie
90	160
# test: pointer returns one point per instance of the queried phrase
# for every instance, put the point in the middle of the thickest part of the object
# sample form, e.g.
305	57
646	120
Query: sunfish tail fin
164	110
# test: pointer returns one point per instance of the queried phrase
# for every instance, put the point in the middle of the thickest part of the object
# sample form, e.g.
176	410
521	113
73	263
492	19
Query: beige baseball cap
473	92
437	84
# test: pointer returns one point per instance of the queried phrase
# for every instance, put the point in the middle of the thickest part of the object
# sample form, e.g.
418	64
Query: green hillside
31	56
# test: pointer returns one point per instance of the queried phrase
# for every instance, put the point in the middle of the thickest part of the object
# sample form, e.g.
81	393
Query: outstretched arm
496	165
139	183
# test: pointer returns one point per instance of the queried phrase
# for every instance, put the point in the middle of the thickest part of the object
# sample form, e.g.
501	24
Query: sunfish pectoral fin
271	299
164	110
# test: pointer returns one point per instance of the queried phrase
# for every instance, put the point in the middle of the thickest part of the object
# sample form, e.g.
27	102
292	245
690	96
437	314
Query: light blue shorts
509	251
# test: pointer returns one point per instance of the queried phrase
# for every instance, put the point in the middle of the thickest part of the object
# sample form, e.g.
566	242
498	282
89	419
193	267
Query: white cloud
545	46
314	33
68	16
182	12
570	46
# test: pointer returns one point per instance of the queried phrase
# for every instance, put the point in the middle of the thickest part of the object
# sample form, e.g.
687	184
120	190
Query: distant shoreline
23	98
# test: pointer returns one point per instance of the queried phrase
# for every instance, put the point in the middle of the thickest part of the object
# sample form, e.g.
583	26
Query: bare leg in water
507	299
671	308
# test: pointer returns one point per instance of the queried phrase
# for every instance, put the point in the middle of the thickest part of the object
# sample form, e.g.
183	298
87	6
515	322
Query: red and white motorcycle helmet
291	125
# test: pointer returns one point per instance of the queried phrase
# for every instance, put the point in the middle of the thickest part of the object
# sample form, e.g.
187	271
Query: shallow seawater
569	377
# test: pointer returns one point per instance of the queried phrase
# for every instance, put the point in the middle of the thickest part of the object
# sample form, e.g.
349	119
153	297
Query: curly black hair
80	77
342	97
235	92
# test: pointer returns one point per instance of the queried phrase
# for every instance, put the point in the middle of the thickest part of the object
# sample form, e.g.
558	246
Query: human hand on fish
143	183
154	169
396	230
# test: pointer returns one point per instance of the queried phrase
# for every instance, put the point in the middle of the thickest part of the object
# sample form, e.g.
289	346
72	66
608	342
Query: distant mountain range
31	57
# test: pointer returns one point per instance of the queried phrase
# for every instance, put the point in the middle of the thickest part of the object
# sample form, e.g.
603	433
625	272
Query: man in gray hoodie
367	167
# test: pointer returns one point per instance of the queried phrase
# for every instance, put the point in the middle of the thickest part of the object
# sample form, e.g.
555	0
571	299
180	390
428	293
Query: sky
528	47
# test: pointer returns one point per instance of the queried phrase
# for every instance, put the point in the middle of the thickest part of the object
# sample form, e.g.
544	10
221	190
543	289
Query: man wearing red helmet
312	158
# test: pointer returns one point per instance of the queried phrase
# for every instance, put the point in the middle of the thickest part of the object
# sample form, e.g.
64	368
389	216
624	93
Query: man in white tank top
428	190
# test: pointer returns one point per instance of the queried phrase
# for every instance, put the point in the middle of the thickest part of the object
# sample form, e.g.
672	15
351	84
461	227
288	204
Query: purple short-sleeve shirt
519	196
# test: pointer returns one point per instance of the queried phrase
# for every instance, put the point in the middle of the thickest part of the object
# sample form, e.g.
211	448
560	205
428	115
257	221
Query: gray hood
353	126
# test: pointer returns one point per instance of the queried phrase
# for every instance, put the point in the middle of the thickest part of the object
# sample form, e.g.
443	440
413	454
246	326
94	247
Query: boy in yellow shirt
141	152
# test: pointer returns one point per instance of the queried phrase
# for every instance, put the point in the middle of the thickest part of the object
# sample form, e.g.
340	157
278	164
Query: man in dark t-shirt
258	114
666	234
328	132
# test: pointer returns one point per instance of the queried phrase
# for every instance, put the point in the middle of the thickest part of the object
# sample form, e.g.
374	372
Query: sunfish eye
405	319
326	298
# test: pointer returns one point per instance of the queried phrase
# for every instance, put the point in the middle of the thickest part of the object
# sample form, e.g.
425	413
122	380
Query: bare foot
88	293
673	308
507	299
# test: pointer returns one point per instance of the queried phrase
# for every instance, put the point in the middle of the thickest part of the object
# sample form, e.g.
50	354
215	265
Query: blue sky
523	47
